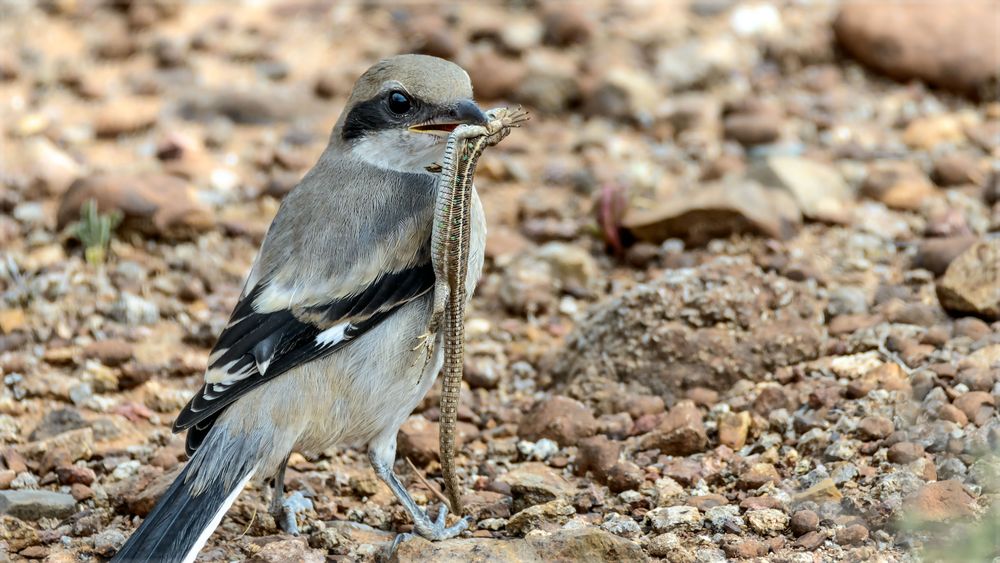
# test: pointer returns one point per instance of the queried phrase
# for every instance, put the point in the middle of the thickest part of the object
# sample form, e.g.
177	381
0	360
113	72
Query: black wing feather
284	341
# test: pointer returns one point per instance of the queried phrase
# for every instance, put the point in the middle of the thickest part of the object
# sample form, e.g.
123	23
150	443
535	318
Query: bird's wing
256	347
285	319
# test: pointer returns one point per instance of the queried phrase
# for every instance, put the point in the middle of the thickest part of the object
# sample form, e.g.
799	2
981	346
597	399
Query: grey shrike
323	347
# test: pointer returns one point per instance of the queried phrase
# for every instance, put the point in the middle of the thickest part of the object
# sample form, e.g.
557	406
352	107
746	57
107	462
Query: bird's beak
465	112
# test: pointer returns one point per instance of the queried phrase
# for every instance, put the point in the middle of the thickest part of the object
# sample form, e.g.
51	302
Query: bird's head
402	109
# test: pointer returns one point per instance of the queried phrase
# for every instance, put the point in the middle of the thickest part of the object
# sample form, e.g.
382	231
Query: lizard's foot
290	507
438	529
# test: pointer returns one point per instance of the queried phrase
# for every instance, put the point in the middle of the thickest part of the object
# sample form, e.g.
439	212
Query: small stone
294	550
934	42
969	284
803	522
81	492
958	169
746	549
108	542
978	406
875	427
753	128
811	540
151	204
936	254
733	429
928	132
624	476
899	185
681	432
820	191
716	210
532	517
767	521
72	474
566	25
758	475
125	116
565	420
597	454
111	353
852	535
33	505
672	517
905	452
481	505
940	501
621	526
952	413
535	483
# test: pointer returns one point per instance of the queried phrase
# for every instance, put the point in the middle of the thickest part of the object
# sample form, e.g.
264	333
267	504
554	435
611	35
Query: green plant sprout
94	231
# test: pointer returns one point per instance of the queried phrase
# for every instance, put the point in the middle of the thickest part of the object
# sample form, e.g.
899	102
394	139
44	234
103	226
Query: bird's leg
381	454
285	509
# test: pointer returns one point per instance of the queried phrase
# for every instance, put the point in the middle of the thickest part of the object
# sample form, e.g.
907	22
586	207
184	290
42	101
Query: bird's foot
439	529
291	506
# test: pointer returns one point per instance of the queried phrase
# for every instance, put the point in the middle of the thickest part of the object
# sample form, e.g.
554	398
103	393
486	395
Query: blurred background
741	293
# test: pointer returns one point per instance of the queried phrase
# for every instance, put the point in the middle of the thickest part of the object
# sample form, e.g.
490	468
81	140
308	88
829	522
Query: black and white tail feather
183	520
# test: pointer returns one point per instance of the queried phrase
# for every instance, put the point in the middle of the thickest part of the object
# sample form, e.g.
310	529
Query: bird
326	344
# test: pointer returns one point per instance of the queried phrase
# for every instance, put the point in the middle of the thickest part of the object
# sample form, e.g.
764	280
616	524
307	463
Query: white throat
400	150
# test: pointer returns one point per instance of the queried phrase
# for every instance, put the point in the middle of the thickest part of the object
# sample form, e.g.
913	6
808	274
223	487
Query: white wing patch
332	335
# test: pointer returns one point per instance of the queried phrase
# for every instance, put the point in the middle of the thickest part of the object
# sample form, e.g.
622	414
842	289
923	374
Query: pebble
852	535
108	542
969	284
292	550
875	427
33	505
899	185
803	522
559	418
535	483
681	432
978	406
733	429
928	41
673	517
767	521
597	454
758	475
532	517
820	191
941	501
905	452
151	204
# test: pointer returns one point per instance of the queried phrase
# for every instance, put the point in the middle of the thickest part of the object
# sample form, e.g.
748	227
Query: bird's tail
183	520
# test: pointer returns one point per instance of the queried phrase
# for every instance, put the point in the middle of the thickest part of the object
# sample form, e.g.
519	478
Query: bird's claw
291	506
438	529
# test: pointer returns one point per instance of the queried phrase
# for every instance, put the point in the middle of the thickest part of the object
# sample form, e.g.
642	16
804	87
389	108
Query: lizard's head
402	109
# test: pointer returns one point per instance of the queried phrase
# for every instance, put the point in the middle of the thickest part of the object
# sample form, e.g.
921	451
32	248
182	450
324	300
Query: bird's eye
399	103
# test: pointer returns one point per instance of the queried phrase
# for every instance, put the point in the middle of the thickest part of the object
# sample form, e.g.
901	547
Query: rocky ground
741	297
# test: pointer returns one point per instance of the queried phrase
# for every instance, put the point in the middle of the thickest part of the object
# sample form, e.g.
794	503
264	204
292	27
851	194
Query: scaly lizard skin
450	256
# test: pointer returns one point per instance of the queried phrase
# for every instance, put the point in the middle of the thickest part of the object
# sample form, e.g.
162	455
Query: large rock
971	284
153	204
947	44
706	327
581	544
716	210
